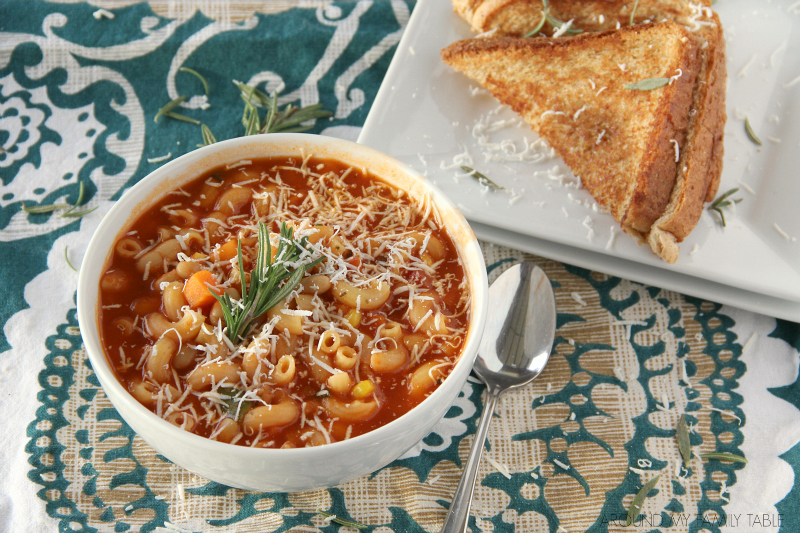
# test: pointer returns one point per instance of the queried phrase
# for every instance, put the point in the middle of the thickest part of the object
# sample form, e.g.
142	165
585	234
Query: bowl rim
129	206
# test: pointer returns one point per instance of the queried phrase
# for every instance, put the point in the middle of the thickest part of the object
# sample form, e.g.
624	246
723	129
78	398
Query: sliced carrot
227	251
196	289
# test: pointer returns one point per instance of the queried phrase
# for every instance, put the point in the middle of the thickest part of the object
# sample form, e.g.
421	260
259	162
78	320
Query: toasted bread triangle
624	144
519	17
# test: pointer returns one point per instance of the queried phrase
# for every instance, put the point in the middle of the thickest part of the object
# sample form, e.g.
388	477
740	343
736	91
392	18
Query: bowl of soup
282	312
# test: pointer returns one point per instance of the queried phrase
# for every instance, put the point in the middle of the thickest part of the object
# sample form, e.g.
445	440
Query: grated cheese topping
367	234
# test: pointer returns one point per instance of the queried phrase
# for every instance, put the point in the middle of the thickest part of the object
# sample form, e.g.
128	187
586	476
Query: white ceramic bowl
285	470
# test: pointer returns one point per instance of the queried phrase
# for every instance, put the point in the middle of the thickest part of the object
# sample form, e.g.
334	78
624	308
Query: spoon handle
458	515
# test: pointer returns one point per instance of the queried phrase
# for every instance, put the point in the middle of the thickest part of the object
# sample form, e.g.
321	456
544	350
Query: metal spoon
514	349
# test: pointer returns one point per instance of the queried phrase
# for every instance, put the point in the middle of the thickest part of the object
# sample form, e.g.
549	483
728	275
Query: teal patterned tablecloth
80	86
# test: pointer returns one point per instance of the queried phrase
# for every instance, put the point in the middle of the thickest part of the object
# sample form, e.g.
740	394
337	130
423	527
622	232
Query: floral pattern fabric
81	85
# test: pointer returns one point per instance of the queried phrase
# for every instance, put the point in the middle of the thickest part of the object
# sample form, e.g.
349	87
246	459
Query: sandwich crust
519	17
700	166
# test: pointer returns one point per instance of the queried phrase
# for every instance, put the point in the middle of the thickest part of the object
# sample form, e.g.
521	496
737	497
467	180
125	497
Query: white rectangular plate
436	119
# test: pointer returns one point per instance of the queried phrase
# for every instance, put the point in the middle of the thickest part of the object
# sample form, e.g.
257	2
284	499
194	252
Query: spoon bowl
514	350
520	330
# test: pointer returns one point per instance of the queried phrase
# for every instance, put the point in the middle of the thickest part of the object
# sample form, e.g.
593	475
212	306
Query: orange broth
368	234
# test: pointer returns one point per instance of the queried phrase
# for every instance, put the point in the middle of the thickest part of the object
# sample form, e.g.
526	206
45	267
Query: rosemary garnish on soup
271	280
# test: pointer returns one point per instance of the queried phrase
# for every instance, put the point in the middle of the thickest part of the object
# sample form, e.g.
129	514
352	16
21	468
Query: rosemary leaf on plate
748	129
722	201
482	179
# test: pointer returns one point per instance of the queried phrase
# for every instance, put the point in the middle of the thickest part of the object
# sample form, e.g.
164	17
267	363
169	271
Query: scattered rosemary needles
724	456
556	23
69	213
748	129
482	179
638	500
166	111
265	289
289	120
66	257
684	445
201	78
342	521
722	201
208	137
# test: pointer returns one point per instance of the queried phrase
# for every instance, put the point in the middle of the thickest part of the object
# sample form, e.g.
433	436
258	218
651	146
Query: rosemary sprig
724	456
265	289
342	521
638	500
288	120
722	201
748	129
482	179
199	76
682	434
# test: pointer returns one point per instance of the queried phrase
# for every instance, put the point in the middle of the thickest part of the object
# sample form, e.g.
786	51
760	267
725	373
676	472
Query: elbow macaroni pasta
364	336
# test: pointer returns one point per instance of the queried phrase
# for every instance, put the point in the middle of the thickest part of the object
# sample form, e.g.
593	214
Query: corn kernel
354	317
363	389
